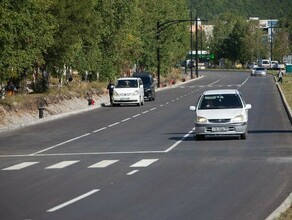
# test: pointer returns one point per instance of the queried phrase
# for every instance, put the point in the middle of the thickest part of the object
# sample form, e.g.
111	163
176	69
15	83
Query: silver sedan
260	71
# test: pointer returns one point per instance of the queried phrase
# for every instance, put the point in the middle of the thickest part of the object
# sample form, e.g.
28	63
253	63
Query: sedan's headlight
201	119
136	92
238	118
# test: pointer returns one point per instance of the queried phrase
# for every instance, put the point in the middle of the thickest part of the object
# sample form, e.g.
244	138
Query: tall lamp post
159	28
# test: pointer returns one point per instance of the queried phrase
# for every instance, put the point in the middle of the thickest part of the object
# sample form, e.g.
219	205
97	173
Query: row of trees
107	37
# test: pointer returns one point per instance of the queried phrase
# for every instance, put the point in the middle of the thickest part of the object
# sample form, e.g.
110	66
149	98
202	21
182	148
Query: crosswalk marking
103	164
62	164
144	163
20	166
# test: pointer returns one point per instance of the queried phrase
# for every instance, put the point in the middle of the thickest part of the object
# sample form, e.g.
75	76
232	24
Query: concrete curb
288	201
281	209
287	107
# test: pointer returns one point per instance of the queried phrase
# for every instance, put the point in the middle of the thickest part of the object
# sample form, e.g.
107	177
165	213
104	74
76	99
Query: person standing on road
280	76
110	88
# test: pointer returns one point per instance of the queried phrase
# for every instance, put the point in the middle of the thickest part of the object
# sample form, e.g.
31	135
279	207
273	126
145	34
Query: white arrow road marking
73	200
103	164
144	163
20	166
63	164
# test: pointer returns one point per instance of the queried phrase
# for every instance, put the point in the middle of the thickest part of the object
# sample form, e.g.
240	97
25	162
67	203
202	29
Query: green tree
76	40
26	32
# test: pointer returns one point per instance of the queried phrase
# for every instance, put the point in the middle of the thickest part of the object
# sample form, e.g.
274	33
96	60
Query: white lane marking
178	142
145	112
213	82
136	115
103	164
132	172
114	124
60	144
20	166
63	164
73	200
244	82
98	130
127	119
153	109
280	159
144	163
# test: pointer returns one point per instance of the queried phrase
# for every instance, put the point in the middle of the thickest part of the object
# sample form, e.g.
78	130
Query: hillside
265	9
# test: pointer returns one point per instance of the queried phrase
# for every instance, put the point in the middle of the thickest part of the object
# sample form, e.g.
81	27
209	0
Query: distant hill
264	9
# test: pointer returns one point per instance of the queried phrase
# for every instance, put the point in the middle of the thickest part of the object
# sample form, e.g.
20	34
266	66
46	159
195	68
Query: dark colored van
149	84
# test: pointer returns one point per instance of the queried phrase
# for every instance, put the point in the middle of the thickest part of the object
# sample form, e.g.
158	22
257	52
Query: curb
287	107
288	201
281	209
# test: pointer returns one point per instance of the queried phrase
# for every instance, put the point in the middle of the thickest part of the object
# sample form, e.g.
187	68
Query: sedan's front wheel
243	136
199	137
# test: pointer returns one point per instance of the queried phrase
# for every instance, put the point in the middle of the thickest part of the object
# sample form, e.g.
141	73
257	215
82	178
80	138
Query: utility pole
197	72
191	43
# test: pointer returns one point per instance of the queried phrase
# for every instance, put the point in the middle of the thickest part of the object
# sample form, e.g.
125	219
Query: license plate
219	129
124	99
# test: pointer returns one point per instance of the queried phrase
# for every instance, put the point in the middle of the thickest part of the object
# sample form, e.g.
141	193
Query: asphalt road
143	163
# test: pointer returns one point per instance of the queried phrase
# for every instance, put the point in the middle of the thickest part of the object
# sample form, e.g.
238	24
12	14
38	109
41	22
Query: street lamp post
162	26
197	72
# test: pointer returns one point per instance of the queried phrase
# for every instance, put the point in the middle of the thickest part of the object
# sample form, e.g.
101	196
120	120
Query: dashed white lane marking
73	200
114	124
98	130
62	164
132	172
20	166
145	112
144	163
127	119
153	109
135	116
103	164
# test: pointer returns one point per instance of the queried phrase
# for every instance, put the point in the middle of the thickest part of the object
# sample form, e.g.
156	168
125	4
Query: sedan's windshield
224	101
127	84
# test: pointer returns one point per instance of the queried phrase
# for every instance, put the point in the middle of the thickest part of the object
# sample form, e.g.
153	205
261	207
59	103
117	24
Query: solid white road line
60	144
178	142
103	164
144	163
73	200
20	166
132	172
63	164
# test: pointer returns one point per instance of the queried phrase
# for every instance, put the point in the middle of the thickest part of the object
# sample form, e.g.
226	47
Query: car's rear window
127	84
224	101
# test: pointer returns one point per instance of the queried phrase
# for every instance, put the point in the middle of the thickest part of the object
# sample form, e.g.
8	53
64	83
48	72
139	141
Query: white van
129	90
265	63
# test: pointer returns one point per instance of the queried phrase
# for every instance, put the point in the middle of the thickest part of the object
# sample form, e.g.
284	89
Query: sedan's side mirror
193	108
248	106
